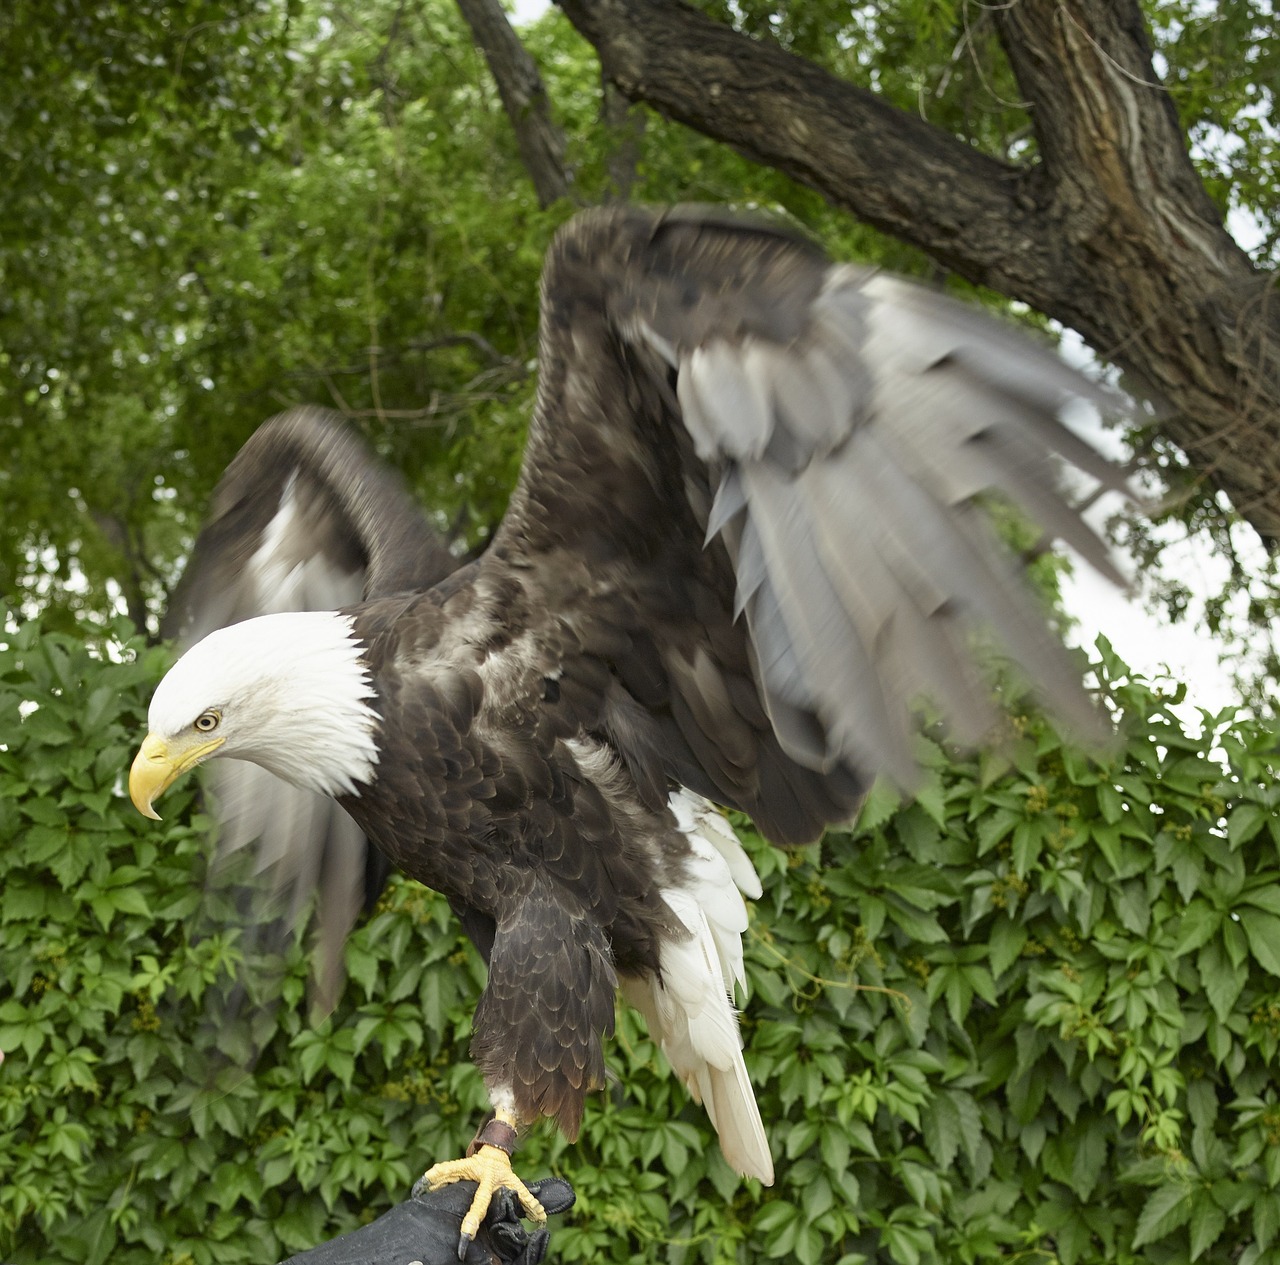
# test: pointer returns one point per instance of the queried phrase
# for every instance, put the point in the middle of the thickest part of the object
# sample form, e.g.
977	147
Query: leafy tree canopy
212	213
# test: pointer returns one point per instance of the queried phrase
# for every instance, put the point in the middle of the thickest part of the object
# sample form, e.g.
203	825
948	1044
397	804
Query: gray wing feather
837	667
787	694
852	454
305	518
730	501
901	614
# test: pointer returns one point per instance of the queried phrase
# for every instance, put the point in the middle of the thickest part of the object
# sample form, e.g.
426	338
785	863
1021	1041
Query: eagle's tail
690	1009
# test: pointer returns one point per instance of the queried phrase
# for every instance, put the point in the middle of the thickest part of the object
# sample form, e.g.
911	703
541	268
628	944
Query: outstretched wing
751	508
304	518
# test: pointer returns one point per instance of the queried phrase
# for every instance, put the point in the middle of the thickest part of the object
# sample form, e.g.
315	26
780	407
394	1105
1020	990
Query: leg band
494	1133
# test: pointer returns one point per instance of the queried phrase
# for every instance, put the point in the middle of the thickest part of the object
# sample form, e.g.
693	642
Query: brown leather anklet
494	1132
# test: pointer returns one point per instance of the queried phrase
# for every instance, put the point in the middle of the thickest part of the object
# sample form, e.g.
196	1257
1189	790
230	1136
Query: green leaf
98	707
1167	1208
1088	1162
43	842
1028	836
919	926
774	1215
1006	943
1199	921
311	1059
1222	979
940	1123
1207	1223
881	803
1263	932
1244	822
994	828
21	902
130	900
931	796
1110	803
1266	1217
834	1147
1132	906
362	966
1266	897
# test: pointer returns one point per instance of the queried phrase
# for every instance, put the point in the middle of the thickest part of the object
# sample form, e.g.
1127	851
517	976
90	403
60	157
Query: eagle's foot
488	1164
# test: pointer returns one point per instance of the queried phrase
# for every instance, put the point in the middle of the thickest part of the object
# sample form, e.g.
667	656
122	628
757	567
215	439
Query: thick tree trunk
523	96
1109	231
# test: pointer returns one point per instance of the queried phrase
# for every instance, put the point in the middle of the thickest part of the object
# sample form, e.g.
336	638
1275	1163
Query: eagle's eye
208	721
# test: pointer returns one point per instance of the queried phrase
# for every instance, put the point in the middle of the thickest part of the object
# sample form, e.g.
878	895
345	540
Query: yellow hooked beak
157	766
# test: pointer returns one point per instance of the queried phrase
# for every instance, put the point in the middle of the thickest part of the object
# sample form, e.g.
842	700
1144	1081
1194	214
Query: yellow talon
490	1168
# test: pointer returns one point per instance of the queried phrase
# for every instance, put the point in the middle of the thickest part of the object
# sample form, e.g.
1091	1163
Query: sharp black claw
464	1242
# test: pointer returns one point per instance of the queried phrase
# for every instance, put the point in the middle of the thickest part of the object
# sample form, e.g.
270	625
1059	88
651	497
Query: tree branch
524	98
1110	232
1155	281
624	124
890	168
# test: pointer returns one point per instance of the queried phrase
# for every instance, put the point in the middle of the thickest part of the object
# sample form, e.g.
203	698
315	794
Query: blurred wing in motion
828	433
304	518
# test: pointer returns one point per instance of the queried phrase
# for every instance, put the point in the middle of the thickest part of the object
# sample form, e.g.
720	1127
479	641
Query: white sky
527	10
1149	645
1147	642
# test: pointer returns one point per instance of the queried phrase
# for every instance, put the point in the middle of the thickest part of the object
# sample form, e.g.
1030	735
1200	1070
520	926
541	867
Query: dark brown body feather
495	793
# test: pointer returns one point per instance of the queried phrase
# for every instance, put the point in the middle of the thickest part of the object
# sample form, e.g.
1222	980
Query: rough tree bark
523	96
1109	231
625	124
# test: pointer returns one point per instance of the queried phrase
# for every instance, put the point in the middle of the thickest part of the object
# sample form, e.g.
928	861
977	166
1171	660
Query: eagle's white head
289	692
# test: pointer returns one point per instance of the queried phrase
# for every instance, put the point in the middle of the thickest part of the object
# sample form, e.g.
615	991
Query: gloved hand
506	1231
425	1230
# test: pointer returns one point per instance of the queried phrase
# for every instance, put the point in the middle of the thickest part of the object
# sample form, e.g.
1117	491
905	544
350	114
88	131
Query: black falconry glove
424	1230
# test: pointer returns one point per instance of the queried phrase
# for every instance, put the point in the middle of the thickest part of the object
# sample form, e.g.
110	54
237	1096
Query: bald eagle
747	533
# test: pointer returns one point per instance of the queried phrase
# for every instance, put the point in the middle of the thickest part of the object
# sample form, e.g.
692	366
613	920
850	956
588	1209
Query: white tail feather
690	1010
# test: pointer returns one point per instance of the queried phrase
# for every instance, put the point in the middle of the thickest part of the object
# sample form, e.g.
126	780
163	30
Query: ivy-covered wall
1033	1014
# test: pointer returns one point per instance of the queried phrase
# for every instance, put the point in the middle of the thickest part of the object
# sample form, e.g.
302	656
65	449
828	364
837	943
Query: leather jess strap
497	1133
